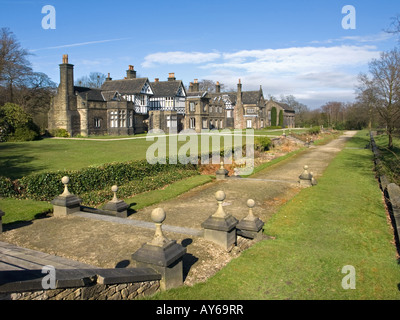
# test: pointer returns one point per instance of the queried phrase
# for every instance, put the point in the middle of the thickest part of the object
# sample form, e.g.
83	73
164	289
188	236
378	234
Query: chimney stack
156	80
130	73
191	87
217	87
108	77
196	85
65	58
171	76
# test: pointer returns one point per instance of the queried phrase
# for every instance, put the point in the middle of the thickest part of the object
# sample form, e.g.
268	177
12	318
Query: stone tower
62	113
239	110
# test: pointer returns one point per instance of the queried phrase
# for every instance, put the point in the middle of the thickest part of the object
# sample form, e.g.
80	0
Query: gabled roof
125	86
284	106
167	88
252	97
89	93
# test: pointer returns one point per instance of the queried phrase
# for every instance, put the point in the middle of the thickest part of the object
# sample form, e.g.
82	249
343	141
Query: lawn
337	223
18	159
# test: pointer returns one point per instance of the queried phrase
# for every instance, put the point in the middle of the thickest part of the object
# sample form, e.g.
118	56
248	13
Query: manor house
136	105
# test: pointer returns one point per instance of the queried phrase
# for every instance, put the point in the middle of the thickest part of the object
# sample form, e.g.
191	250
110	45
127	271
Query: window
205	108
210	109
97	122
192	107
142	100
192	123
130	118
221	124
122	118
229	113
113	119
169	101
205	123
220	109
248	122
251	110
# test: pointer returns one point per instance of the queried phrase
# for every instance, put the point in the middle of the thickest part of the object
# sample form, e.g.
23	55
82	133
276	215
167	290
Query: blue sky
287	47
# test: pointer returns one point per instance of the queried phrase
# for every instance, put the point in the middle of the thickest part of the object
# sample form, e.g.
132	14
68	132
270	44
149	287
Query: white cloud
311	72
179	57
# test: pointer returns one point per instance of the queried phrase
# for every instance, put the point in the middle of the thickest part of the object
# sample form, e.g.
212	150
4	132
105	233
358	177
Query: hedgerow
47	185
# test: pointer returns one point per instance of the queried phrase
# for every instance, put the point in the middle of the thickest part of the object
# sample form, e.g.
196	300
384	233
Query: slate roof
251	97
166	88
285	106
89	93
125	86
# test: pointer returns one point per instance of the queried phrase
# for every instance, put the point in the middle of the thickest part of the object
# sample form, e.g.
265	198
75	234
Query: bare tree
14	64
94	80
382	90
209	85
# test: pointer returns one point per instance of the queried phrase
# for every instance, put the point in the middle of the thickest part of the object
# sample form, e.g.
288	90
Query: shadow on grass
23	223
15	163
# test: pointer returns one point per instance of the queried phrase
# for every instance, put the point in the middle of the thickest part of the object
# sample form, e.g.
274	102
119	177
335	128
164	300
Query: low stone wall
125	291
81	284
391	192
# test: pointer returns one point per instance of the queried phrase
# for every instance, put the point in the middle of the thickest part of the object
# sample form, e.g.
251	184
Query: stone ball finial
305	167
114	188
251	203
158	215
65	180
220	195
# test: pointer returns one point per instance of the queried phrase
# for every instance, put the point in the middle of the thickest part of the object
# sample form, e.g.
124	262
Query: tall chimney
171	76
217	87
108	77
65	58
156	79
130	73
196	85
239	93
66	76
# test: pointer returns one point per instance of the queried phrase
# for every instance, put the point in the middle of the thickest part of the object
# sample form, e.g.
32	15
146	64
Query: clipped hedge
6	187
46	186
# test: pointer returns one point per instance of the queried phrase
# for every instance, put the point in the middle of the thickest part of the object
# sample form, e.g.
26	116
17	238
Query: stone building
119	107
167	105
280	114
219	110
135	105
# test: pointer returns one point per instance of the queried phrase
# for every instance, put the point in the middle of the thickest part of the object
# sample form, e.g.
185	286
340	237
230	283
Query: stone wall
80	284
391	192
124	291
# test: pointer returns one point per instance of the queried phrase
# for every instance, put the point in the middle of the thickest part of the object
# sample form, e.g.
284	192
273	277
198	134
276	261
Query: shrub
273	117
16	124
6	187
59	132
262	143
314	130
281	118
24	134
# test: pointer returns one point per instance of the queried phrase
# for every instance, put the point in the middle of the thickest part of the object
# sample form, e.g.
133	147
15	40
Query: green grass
341	221
173	190
27	210
18	159
23	210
